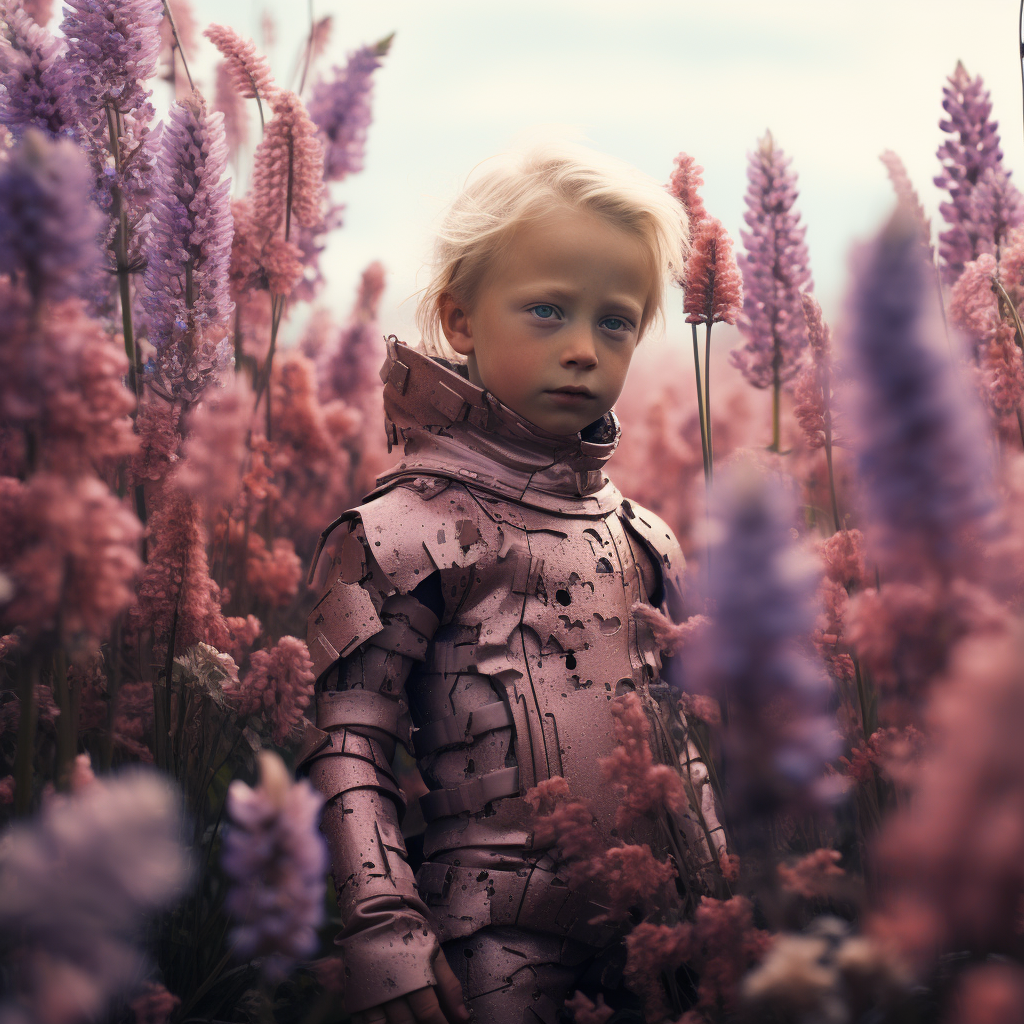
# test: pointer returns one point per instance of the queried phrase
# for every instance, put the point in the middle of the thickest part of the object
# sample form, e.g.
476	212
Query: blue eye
544	311
616	323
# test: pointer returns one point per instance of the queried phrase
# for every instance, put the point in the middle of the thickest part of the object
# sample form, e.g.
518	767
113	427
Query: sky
836	82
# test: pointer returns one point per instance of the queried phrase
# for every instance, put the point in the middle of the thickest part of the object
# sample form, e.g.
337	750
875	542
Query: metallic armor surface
483	594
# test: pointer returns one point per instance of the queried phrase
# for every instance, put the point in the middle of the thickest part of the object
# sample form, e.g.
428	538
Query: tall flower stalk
189	250
775	271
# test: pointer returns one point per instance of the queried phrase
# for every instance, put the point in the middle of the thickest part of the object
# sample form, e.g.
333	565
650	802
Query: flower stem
707	396
26	736
776	444
700	406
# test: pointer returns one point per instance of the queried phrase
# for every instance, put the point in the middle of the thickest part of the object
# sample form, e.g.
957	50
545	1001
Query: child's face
562	311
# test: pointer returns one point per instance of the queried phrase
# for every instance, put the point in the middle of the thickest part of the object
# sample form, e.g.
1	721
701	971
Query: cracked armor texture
532	561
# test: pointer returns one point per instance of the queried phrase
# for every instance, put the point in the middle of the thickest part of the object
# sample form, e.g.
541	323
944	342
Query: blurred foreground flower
277	859
755	654
919	438
76	885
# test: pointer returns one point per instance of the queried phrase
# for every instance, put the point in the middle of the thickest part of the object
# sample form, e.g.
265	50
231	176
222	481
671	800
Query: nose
579	349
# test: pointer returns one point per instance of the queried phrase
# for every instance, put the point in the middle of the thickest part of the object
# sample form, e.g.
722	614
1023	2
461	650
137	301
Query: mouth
573	389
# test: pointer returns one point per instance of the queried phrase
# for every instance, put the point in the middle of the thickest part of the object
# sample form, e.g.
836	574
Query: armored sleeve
365	637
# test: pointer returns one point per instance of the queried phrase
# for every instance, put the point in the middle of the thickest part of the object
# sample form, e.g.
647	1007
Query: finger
400	1011
423	1003
449	992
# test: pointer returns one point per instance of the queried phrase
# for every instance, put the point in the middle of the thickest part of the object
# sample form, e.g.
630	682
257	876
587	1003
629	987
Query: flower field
180	418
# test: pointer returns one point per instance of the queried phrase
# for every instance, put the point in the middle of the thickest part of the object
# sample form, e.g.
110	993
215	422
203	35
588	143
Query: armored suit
477	608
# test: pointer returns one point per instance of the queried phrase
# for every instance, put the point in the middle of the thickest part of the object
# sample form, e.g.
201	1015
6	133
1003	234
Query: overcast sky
836	81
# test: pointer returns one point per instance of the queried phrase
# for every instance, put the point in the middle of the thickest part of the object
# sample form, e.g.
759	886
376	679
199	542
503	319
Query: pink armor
477	609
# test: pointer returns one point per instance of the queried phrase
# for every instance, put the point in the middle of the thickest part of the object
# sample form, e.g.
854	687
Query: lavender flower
972	150
755	655
919	437
774	272
113	47
340	108
48	226
189	248
276	857
76	885
33	74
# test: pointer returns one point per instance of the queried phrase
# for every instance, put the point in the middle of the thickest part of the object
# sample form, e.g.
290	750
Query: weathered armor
477	608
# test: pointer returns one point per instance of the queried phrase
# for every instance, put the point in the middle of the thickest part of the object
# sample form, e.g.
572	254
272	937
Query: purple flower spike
775	269
77	884
277	859
113	48
979	219
33	74
340	108
920	438
49	228
755	657
189	247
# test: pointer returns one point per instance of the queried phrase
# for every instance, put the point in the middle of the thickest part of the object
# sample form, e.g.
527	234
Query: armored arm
364	639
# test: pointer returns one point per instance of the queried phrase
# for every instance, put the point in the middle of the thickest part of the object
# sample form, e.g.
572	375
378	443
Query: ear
456	324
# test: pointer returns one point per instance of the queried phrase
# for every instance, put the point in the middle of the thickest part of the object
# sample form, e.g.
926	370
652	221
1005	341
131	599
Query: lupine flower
775	270
277	860
721	944
288	165
69	548
76	885
350	368
642	787
279	685
712	286
973	149
40	11
951	862
997	208
63	382
159	438
273	574
214	449
34	75
813	389
48	227
919	439
227	100
755	653
1002	369
684	183
340	109
189	249
113	48
249	70
812	875
268	29
628	875
906	195
176	580
973	306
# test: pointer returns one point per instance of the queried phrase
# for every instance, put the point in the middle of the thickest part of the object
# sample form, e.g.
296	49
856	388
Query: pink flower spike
289	164
249	70
906	195
683	184
712	285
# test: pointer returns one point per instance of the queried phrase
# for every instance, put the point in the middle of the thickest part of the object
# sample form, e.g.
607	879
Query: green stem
177	46
776	444
26	736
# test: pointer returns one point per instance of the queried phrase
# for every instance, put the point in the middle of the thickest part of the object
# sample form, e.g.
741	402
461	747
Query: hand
433	1004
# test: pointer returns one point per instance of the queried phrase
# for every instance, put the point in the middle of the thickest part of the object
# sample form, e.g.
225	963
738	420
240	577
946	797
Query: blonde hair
519	186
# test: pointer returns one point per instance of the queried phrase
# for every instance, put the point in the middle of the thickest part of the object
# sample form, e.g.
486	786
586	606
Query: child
483	594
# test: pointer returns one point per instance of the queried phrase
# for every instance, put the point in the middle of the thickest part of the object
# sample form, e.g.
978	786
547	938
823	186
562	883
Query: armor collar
453	429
